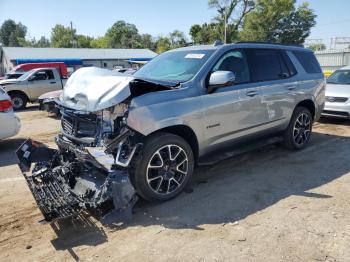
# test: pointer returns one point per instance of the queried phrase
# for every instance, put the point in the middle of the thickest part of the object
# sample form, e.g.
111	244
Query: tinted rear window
264	64
308	61
291	71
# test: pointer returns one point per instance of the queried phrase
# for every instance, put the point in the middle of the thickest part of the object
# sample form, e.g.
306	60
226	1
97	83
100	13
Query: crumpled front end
89	170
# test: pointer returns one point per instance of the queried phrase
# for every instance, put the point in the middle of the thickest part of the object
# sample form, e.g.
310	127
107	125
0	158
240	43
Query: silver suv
143	135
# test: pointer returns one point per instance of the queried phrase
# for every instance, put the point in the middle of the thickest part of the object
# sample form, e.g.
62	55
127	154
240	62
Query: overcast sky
157	17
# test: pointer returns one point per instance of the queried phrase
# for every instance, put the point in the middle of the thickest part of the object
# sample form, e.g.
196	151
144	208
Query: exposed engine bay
89	170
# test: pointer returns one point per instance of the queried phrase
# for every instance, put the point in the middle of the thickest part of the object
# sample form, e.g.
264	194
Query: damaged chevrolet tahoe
142	135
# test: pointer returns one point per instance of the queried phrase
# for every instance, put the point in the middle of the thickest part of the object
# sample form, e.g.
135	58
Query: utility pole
225	38
74	43
225	23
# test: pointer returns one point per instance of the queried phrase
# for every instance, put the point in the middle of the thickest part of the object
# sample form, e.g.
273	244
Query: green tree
317	47
177	39
148	41
206	33
12	34
195	32
100	42
122	35
278	21
20	42
83	41
42	42
163	44
136	41
62	36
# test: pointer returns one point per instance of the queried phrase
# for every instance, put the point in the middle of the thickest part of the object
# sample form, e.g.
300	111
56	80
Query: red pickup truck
22	68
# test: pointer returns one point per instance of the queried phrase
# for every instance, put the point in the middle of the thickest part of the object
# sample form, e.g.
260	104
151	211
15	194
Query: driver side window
43	75
236	62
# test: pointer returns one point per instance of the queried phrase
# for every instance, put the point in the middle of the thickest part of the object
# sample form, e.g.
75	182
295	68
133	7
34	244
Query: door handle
251	93
52	82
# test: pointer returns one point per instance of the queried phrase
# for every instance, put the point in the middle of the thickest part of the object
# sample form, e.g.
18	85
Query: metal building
73	57
331	60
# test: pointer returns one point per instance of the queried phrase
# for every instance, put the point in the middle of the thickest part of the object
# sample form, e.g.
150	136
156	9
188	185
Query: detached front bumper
61	190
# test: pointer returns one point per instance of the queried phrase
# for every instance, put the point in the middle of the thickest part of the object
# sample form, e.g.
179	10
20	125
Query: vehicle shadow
7	151
77	232
232	190
29	108
241	186
334	121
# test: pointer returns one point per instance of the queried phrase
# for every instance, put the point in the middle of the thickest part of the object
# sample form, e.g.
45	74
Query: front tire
298	133
19	101
163	168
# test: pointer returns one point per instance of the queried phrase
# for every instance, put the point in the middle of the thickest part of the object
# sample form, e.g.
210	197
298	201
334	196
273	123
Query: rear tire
298	133
19	101
163	168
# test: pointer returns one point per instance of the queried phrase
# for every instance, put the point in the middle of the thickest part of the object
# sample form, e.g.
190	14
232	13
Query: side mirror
220	79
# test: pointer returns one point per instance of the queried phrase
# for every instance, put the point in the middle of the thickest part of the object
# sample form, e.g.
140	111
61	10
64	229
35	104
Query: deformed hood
338	90
8	81
92	89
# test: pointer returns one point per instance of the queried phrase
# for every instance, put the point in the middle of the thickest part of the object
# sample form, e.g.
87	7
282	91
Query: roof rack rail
217	43
189	44
268	43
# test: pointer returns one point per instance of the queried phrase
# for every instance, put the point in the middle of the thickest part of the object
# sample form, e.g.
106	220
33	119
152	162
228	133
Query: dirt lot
268	205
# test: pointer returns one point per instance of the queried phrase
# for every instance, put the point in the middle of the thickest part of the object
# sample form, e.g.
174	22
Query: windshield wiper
159	82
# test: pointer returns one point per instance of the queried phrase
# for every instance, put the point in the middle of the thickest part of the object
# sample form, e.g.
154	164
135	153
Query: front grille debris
51	196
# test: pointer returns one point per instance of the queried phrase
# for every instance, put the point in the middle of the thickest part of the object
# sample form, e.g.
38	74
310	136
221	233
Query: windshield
25	75
340	77
176	66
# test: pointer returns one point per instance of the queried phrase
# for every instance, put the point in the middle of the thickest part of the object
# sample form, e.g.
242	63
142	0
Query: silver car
142	135
338	94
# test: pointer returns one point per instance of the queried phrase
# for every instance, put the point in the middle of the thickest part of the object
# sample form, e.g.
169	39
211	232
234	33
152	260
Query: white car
9	122
338	94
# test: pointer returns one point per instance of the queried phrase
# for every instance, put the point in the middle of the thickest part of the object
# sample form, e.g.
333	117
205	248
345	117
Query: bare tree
231	12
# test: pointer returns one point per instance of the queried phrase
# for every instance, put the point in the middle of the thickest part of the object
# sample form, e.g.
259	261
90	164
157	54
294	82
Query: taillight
5	105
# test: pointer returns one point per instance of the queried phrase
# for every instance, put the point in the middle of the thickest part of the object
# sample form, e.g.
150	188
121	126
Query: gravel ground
266	205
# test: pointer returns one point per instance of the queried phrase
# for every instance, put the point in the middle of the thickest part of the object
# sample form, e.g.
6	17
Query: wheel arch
184	132
18	92
310	105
